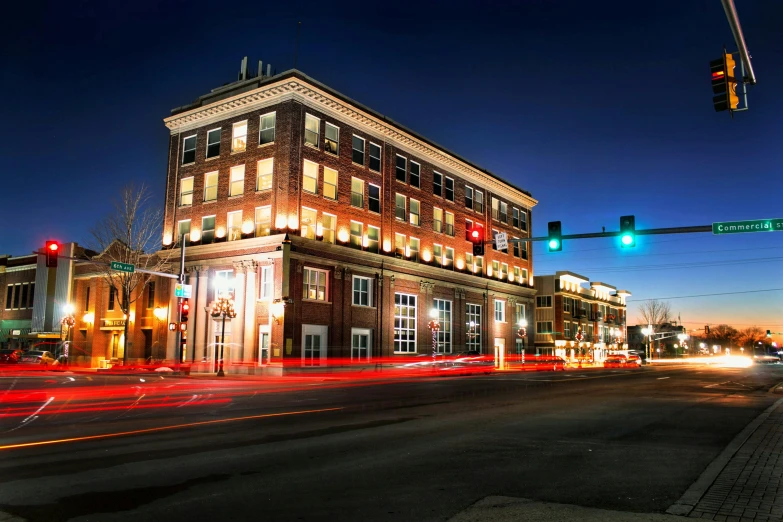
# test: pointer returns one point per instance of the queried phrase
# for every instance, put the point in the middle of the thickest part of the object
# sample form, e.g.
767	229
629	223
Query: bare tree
131	235
654	312
750	336
723	334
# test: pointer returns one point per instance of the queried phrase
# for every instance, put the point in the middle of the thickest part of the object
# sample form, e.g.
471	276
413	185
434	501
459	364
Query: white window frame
397	168
329	234
358	293
186	150
355	151
236	185
239	140
370	198
469	190
400	211
435	220
307	174
399	244
415	217
204	230
373	245
361	332
306	286
330	187
258	214
209	133
445	310
446	189
264	174
473	314
418	174
180	233
351	240
380	153
317	132
448	219
410	252
500	311
448	257
353	193
233	232
207	187
185	194
262	129
267	291
327	140
308	230
478	201
403	315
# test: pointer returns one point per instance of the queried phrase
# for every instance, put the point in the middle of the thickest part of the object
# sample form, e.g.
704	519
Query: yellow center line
162	428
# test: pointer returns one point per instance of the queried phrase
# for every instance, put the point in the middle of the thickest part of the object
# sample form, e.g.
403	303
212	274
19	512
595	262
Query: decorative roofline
294	88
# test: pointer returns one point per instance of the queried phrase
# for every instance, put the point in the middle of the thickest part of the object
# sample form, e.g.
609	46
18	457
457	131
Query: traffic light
769	333
52	251
707	329
555	241
627	231
183	317
476	236
724	84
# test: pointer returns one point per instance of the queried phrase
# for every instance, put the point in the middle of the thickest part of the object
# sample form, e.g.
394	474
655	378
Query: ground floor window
473	327
404	323
360	344
314	341
443	308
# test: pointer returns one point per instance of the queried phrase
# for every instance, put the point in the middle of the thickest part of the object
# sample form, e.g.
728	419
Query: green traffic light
553	244
627	239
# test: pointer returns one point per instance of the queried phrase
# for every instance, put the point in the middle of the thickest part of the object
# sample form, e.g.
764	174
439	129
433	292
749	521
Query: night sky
599	109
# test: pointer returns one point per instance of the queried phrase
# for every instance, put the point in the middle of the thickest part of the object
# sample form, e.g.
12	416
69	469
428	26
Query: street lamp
223	307
682	337
434	325
68	322
648	332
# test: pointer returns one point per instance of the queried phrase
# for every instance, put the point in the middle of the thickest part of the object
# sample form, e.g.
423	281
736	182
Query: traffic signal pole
648	232
178	348
739	39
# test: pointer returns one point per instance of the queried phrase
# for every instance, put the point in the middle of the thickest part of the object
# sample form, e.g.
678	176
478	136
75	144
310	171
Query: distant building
579	319
376	218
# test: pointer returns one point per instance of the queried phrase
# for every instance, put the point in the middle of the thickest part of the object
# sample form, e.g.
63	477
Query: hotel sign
756	225
113	324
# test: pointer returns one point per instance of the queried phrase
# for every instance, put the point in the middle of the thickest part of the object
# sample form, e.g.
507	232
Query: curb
693	495
778	388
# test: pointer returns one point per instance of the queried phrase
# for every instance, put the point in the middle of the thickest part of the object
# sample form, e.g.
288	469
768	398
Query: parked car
37	357
10	355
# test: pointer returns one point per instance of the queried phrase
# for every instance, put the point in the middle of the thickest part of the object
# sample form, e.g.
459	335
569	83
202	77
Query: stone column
238	323
250	350
201	314
171	338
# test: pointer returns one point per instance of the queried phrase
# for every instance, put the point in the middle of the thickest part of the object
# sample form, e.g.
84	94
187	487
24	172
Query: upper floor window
356	234
415	211
544	301
264	174
400	168
478	201
503	212
308	222
357	193
239	136
449	189
312	130
437	184
263	220
267	282
375	157
399	208
468	197
310	177
448	258
237	186
362	291
357	150
373	238
210	186
332	139
314	284
112	297
515	217
213	143
500	311
415	174
413	248
189	150
524	249
266	132
523	220
235	225
328	225
186	192
374	199
437	219
207	230
449	228
399	244
151	294
183	230
330	183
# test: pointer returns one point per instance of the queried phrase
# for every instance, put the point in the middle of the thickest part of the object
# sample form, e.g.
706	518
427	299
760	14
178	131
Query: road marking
661	378
162	428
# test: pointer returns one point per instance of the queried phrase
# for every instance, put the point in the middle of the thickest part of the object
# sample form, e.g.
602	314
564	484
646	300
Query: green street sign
122	267
755	225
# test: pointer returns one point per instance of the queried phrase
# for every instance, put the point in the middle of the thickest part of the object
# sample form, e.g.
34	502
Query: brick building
336	231
17	278
578	319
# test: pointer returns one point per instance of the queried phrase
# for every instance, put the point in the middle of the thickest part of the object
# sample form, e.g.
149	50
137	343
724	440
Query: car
544	363
10	355
41	357
614	362
635	359
766	359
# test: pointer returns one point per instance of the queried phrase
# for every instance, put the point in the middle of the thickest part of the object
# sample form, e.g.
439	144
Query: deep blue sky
599	109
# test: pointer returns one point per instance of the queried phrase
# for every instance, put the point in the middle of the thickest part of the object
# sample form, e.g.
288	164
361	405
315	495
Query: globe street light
522	333
648	332
223	307
434	325
682	337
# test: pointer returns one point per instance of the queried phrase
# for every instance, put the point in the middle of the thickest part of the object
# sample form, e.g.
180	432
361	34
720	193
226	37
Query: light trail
159	429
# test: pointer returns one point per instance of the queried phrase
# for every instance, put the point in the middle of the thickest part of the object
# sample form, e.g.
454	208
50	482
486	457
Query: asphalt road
92	447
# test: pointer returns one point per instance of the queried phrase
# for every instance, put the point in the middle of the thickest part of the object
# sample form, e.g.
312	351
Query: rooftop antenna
296	50
243	69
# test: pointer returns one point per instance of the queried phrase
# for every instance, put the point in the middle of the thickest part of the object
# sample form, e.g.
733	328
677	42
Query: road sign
183	290
501	241
122	267
755	225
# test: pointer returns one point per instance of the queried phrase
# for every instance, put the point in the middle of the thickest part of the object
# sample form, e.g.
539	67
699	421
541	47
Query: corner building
337	232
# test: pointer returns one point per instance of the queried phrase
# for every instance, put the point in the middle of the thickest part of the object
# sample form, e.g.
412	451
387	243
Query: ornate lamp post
522	334
434	325
223	307
68	322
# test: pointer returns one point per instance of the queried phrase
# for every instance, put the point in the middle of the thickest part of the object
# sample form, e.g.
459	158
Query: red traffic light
52	248
184	309
475	234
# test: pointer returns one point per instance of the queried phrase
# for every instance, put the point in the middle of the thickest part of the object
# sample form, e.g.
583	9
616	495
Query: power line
635	268
681	253
705	295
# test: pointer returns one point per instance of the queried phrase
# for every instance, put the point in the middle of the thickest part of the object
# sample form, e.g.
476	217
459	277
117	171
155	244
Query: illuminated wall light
489	271
247	227
220	232
160	313
167	239
293	222
407	251
510	278
365	241
343	235
280	222
460	263
426	255
195	235
475	269
88	317
386	245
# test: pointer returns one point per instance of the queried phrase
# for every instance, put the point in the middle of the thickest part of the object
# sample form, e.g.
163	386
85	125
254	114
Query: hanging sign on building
501	241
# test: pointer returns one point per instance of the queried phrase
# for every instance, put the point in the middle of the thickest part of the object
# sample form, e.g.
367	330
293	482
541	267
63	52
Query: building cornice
294	88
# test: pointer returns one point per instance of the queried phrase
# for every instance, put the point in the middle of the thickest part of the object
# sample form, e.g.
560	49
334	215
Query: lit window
263	221
112	297
328	223
239	137
437	253
415	210
415	175
331	139
186	192
310	177
183	229
264	174
400	168
267	129
473	322
449	259
213	143
503	212
360	344
375	157
404	323
437	184
357	152
504	271
357	193
189	150
308	219
312	130
399	245
235	225
444	317
314	284
399	208
500	311
449	189
449	229
496	268
374	198
237	187
362	291
373	238
210	186
330	183
495	208
267	282
437	219
479	266
413	246
207	230
356	234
